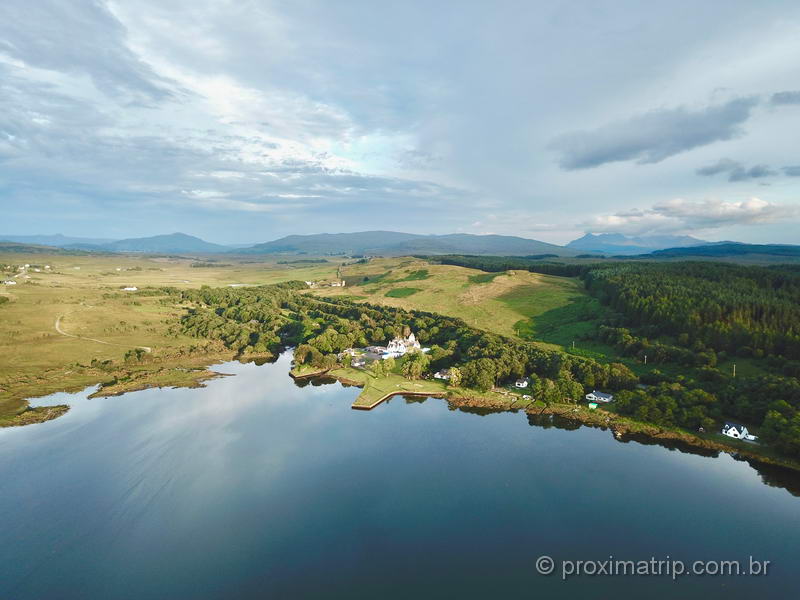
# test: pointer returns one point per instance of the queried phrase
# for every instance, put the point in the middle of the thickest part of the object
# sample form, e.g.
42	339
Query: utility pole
573	344
645	359
734	369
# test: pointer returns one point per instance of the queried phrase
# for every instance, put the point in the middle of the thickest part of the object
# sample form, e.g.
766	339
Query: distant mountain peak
619	243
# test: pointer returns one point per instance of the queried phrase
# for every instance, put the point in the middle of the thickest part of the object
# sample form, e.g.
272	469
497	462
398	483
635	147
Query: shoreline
164	374
623	429
392	394
155	372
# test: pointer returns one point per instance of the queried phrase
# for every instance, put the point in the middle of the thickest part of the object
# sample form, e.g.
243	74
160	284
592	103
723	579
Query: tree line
695	314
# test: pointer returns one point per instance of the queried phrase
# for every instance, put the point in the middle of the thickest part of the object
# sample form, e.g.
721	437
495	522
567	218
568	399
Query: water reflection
263	486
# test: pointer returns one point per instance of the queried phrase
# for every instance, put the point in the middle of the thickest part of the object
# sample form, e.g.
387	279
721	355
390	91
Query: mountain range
398	244
173	243
393	243
57	240
387	243
617	243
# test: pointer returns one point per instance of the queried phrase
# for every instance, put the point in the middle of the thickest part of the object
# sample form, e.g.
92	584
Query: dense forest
745	311
494	264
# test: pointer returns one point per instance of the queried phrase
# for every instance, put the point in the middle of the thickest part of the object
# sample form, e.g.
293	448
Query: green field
508	303
403	292
483	277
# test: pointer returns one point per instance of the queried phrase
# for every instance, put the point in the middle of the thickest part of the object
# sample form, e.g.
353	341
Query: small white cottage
595	396
737	431
521	383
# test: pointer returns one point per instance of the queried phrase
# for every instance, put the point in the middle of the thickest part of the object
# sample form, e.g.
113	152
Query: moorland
684	346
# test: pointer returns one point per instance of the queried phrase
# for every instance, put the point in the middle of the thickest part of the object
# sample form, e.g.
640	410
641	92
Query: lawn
376	388
403	292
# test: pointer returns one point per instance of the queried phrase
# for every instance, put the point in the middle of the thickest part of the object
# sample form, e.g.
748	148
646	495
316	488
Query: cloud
683	216
653	136
792	171
111	130
81	38
782	98
259	119
736	171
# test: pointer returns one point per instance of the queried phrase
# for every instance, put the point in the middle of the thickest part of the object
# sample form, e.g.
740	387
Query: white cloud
682	216
318	116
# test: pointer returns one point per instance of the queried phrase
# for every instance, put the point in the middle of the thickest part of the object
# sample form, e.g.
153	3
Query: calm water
256	488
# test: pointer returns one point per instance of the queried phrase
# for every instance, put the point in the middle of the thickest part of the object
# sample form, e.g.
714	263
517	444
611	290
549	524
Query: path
62	332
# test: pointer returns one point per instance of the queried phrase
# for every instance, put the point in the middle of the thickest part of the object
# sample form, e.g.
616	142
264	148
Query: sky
246	120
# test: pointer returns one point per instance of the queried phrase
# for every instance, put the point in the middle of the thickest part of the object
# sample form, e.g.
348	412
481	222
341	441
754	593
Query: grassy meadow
98	321
509	303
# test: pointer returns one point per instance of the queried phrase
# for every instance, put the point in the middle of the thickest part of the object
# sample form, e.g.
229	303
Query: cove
259	487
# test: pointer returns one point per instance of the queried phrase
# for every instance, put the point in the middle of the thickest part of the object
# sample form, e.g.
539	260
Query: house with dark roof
737	431
595	396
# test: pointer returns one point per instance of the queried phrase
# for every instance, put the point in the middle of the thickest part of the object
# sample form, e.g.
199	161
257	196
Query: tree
415	365
455	377
378	368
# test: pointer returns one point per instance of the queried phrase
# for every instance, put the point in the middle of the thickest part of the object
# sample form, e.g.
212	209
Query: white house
9	282
131	288
443	374
400	346
738	432
521	383
595	396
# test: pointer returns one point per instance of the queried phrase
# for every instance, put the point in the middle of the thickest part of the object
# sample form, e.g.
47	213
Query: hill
728	249
173	243
57	240
392	243
497	302
617	243
14	248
